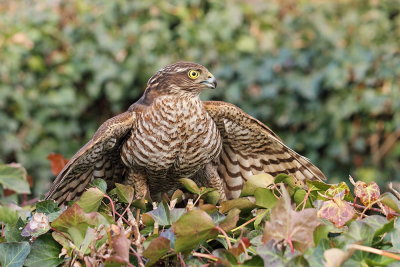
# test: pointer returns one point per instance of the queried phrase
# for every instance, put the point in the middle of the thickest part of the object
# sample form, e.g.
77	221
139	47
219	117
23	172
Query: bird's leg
209	177
138	181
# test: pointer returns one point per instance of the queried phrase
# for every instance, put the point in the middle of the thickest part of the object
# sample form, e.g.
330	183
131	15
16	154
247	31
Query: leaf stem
375	251
112	204
225	235
246	223
206	256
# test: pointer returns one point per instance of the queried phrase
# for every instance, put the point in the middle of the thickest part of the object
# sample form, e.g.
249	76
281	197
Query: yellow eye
193	74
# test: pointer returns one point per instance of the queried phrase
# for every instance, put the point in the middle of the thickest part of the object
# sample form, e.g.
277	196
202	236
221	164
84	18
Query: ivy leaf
75	222
47	206
45	251
120	245
265	198
239	203
341	189
391	201
125	193
100	184
335	257
193	228
14	177
190	186
8	215
157	248
57	162
230	220
367	193
337	211
291	226
13	254
91	199
161	214
38	225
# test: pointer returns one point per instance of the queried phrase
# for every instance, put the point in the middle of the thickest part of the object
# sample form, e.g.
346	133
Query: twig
375	251
112	204
183	264
121	217
139	258
206	256
394	190
246	223
374	209
225	235
244	248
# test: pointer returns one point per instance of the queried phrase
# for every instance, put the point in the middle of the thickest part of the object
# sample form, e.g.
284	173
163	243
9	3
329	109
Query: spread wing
250	147
99	158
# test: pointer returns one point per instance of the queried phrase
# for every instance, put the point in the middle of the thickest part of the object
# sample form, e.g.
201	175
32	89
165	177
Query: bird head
182	78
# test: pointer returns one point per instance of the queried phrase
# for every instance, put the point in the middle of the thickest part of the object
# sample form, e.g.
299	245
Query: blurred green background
324	76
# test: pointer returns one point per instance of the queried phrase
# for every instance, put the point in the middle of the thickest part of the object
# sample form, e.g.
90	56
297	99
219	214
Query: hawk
169	133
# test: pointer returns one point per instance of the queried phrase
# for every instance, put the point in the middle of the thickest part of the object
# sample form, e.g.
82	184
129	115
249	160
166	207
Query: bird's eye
193	74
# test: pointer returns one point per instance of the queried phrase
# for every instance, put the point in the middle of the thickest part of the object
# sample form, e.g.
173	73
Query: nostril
209	76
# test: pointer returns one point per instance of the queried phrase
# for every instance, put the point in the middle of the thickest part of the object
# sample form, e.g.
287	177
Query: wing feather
250	148
99	158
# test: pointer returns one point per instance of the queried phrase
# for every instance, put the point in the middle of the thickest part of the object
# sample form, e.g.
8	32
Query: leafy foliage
322	75
329	226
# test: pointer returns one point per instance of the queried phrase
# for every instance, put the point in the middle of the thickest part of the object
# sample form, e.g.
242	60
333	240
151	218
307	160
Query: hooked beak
211	82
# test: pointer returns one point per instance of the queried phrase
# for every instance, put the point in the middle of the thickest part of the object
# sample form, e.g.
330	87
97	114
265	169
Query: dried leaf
289	225
38	225
335	257
367	193
57	162
337	211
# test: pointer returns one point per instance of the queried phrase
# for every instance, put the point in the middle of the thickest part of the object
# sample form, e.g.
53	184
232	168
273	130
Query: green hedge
323	76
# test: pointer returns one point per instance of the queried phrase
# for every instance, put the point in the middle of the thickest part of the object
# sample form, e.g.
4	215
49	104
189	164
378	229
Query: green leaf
318	185
265	198
125	193
289	180
321	233
100	184
50	208
13	177
47	206
13	232
253	182
193	228
190	186
8	215
299	198
75	222
243	204
13	254
44	252
212	197
91	199
359	232
317	254
161	214
394	236
391	201
261	180
230	220
157	248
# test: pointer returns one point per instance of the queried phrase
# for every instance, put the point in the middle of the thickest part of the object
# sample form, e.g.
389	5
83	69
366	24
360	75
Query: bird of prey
169	133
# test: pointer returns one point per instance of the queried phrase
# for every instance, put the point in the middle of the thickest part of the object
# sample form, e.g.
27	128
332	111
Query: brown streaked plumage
170	134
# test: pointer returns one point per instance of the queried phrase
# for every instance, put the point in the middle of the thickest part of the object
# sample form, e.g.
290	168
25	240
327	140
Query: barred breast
173	138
